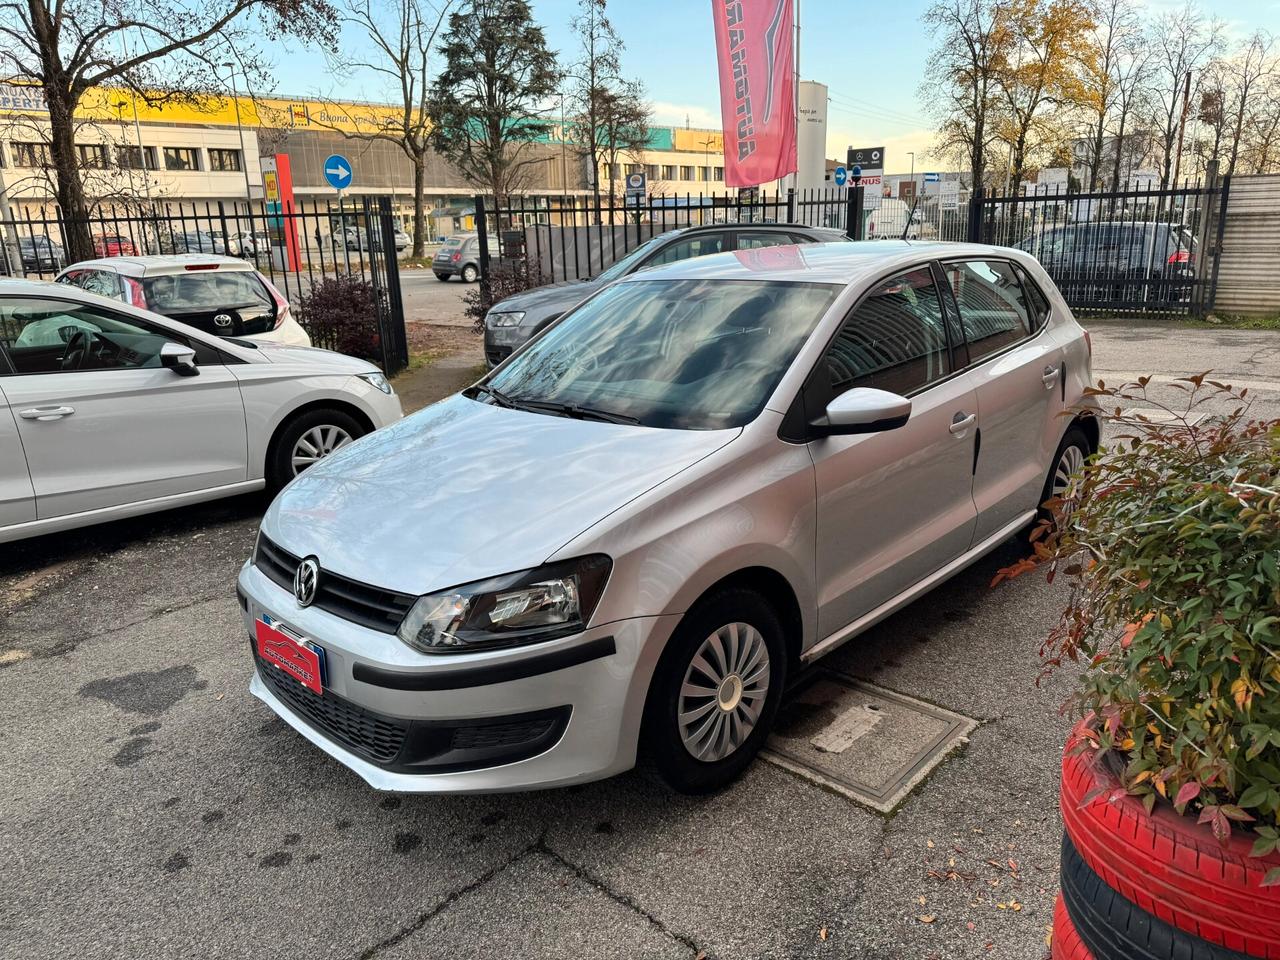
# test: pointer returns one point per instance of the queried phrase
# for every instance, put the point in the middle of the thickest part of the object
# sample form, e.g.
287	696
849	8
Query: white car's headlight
505	319
555	600
378	381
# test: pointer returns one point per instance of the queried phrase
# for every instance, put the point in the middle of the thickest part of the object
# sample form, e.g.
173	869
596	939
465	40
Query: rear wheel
469	273
1070	456
306	440
442	277
716	691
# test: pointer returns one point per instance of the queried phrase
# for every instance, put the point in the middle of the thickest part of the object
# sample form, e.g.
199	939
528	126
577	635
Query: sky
870	55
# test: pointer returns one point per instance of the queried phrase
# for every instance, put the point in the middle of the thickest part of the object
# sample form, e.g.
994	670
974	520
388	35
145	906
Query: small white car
221	295
108	411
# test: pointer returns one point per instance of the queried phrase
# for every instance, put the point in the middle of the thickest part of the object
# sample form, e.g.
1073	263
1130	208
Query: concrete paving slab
870	744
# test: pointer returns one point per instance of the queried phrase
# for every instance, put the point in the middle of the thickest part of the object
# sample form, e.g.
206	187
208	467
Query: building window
136	158
705	174
669	172
635	168
181	158
31	155
720	173
93	156
687	173
651	171
607	171
224	161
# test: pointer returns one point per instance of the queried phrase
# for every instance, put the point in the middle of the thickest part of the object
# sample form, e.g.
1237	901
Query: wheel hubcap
316	444
724	691
1070	462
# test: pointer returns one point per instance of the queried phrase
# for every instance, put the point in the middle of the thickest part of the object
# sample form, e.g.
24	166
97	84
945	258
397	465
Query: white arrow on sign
339	171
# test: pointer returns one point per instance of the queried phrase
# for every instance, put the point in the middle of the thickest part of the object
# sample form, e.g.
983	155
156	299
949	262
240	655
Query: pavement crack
67	645
620	898
427	916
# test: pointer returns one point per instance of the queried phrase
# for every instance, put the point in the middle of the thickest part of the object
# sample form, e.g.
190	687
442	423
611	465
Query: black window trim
974	364
201	348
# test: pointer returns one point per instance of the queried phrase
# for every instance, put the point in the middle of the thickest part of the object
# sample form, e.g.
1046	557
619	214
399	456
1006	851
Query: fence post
976	197
1212	293
854	228
399	338
482	237
791	204
1208	214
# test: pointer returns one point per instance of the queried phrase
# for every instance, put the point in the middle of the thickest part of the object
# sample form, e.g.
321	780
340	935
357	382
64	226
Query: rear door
1017	371
102	423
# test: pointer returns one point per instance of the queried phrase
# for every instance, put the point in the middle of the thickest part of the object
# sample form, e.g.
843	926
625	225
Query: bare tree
1247	73
1115	35
401	35
972	41
157	50
1132	96
1182	41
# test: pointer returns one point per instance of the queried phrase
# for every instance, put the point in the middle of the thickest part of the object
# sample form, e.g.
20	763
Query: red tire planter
1169	865
1067	944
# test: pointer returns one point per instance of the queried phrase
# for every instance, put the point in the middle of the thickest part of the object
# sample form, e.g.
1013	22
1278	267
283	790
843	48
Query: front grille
371	607
495	354
371	736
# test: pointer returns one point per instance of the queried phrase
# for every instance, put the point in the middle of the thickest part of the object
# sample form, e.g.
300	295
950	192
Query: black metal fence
295	247
1143	251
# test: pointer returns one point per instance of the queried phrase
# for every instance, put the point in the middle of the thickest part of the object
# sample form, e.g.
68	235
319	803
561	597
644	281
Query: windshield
684	354
622	267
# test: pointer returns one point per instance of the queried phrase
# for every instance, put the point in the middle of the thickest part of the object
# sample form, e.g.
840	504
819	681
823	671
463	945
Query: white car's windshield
685	354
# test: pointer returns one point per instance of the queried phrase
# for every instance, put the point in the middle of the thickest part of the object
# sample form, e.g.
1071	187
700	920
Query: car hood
326	361
553	298
464	490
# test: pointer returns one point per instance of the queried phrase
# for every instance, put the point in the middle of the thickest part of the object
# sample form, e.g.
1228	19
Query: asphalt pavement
150	807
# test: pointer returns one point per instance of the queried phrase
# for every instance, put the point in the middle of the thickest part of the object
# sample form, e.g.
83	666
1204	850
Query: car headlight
555	600
505	319
378	381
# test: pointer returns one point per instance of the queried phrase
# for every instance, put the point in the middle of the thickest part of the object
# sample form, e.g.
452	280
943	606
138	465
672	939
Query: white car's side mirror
864	410
181	360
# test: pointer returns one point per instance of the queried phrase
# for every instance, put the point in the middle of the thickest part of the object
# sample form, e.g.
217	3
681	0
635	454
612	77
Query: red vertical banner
285	174
757	89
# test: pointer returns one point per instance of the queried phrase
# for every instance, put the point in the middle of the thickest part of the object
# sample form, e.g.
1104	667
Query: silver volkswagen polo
629	534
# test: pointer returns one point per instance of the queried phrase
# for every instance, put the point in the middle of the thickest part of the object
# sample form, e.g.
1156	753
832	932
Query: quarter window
993	311
894	340
1037	302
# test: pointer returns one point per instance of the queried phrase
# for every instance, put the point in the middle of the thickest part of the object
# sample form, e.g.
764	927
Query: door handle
1049	377
46	413
960	424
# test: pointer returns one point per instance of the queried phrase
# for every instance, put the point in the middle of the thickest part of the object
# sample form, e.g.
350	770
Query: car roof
840	263
162	264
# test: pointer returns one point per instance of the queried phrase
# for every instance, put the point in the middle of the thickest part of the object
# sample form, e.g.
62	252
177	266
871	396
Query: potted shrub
1170	545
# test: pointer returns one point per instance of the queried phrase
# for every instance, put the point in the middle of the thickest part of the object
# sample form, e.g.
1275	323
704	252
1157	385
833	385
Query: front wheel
469	274
716	691
306	440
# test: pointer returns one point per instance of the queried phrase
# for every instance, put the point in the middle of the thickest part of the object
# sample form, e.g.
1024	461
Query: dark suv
1118	261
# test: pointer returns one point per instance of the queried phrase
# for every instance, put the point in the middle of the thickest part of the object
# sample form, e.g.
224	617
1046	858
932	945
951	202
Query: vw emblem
222	320
305	581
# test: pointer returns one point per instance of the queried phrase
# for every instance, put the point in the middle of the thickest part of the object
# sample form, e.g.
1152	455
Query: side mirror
181	360
864	410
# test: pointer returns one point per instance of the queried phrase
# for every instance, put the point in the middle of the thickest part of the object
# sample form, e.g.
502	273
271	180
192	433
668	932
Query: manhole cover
868	743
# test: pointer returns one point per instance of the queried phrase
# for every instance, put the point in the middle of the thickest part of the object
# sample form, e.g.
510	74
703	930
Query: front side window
894	340
181	158
681	354
993	310
699	246
50	336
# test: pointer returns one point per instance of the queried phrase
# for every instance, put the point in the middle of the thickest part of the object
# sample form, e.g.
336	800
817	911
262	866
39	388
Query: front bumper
564	723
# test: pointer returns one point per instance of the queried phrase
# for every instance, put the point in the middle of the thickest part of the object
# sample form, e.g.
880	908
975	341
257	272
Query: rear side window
993	312
699	246
894	340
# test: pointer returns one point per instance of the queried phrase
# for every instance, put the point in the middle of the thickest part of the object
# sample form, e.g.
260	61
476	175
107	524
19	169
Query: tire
1168	865
1113	928
442	277
280	465
1067	944
470	274
758	635
1072	452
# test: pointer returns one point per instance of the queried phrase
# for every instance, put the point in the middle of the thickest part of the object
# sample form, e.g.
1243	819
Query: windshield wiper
573	410
500	398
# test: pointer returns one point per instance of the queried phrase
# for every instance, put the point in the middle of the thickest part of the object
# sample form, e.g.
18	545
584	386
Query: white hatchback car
642	522
221	295
108	411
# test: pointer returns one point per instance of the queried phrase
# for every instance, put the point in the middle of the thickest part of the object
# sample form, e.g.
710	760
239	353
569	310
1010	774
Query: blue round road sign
337	170
841	176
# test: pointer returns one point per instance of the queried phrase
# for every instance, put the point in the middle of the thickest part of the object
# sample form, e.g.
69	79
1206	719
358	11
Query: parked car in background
191	241
223	296
114	245
247	244
892	220
514	320
109	411
711	474
40	254
1093	260
459	256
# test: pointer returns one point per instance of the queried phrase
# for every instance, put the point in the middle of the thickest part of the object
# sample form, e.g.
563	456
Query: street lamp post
244	156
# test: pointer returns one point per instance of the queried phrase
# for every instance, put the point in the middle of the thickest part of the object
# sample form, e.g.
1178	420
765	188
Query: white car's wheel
306	440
